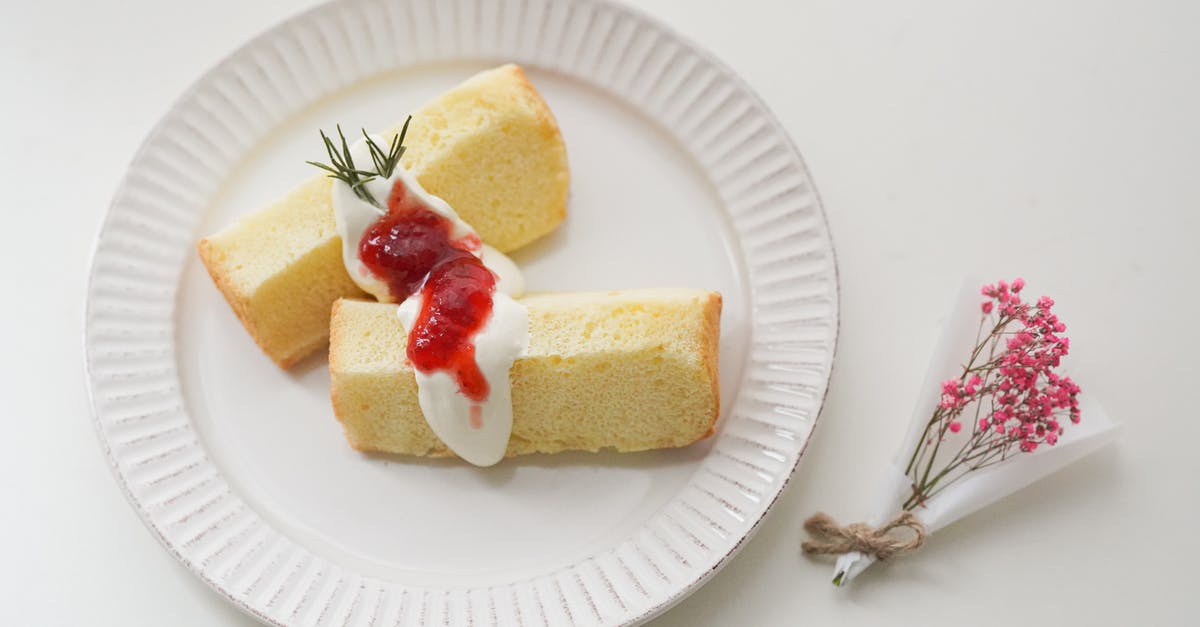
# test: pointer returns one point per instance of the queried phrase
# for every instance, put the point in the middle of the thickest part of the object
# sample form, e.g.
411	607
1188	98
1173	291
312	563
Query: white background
1055	140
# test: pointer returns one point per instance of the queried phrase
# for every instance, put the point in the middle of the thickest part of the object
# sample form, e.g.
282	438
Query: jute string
830	538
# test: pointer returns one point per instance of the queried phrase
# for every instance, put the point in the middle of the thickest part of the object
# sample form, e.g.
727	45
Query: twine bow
830	538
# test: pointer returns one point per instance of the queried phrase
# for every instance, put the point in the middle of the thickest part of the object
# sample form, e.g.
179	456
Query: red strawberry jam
412	242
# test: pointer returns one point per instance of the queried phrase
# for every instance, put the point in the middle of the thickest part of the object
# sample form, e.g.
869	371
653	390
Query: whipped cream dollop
477	431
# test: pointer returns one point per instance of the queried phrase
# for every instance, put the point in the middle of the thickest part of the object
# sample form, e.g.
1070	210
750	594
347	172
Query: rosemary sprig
341	162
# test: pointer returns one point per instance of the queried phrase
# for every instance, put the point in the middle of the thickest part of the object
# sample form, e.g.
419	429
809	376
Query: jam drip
412	242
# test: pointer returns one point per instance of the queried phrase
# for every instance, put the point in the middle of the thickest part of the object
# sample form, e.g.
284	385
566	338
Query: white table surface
1055	140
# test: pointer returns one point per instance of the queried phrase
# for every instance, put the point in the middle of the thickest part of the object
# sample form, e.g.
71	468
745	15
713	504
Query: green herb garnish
341	163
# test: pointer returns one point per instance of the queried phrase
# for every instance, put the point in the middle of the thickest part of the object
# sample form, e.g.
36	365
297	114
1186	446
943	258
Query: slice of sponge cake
630	370
490	147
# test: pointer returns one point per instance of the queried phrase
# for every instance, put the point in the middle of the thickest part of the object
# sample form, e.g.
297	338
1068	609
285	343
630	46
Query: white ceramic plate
680	178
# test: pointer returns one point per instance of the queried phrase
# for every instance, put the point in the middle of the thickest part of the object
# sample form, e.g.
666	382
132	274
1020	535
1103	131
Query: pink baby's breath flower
1012	379
972	385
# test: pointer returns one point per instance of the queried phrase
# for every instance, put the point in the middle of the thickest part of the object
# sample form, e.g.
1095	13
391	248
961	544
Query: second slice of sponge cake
490	147
630	370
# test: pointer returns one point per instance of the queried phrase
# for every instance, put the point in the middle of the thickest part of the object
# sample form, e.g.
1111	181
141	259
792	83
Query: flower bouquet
1005	418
